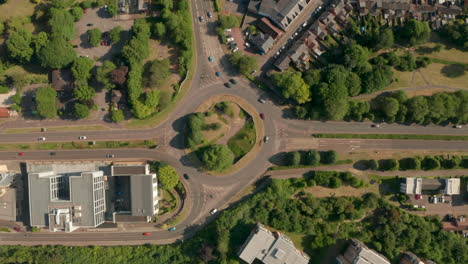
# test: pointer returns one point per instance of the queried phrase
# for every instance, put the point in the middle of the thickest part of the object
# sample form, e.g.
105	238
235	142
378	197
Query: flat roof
8	204
125	170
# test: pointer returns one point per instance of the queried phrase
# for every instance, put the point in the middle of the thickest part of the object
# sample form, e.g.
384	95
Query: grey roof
6	179
141	197
282	63
125	170
8	204
262	42
271	248
432	184
279	10
358	253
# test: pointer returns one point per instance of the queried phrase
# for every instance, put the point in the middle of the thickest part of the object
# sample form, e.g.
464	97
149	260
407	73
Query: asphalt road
205	192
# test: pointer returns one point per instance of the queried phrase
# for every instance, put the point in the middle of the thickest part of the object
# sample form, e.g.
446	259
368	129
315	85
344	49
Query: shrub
312	157
4	89
335	182
430	163
410	164
293	158
389	164
330	157
373	164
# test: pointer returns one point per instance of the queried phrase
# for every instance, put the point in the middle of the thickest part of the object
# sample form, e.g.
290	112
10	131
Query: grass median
302	166
392	136
79	145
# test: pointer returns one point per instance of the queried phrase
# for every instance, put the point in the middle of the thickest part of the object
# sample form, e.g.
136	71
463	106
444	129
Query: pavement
206	191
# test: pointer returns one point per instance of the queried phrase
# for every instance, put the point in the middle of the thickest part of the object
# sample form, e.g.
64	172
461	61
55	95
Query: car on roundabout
262	115
210	58
172	228
214	211
218	74
228	85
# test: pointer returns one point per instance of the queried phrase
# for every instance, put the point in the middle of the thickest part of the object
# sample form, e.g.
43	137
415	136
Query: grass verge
244	140
55	129
392	136
301	166
80	145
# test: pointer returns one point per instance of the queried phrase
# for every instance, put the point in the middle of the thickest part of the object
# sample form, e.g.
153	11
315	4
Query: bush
293	158
312	157
389	164
4	89
410	164
335	182
115	34
430	163
330	157
117	116
373	164
95	36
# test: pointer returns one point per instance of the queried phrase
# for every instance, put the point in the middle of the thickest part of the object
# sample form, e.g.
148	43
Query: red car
262	115
146	233
17	229
418	197
21	154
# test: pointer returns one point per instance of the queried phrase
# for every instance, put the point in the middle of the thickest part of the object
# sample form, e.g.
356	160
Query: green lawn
14	8
79	145
243	141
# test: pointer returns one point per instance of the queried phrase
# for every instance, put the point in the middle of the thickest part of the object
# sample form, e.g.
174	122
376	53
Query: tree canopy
245	64
217	157
95	36
81	68
81	110
292	86
19	45
168	177
57	54
415	32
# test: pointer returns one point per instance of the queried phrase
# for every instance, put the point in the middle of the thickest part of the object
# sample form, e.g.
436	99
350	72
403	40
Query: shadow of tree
453	70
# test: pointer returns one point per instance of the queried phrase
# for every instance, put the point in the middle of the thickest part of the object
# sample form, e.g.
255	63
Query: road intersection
206	191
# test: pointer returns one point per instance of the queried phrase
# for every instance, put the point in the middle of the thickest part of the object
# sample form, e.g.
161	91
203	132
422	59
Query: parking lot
452	204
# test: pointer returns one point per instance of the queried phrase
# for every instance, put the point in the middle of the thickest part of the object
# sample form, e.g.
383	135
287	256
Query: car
210	15
41	139
53	153
110	156
235	50
89	25
418	197
17	229
82	137
75	46
457	126
295	34
228	30
172	228
210	58
246	33
261	100
305	24
247	45
146	234
230	39
233	81
375	125
262	115
278	53
218	74
21	154
186	176
201	19
213	211
228	85
266	139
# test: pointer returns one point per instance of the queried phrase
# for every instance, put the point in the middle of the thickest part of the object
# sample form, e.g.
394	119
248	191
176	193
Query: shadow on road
178	125
278	159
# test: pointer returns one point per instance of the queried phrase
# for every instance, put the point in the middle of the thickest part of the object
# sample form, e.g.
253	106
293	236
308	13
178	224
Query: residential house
262	42
318	29
448	186
410	258
57	78
299	55
455	224
282	63
358	252
265	25
270	248
281	12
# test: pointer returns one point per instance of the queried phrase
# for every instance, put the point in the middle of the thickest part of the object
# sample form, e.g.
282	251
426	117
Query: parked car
186	176
375	125
228	30
17	229
266	139
230	39
247	45
82	137
418	197
146	234
21	154
214	211
233	81
210	15
228	85
218	74
457	126
305	24
262	115
261	100
110	156
89	25
41	139
201	19
235	50
210	58
172	228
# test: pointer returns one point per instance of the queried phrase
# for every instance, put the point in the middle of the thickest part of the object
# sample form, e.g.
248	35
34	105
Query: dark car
186	176
233	81
89	25
262	115
17	229
228	85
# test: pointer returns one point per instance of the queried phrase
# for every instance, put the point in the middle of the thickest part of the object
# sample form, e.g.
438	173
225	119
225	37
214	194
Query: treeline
333	179
457	32
417	163
311	157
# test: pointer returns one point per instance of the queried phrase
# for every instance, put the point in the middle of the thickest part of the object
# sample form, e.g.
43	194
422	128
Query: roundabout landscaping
223	135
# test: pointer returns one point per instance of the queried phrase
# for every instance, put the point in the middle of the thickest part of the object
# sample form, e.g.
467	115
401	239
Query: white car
228	30
230	39
41	139
247	45
266	139
305	24
82	137
214	211
261	100
235	50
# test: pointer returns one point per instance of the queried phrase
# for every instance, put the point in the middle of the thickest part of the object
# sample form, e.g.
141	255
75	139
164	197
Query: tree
389	164
293	158
168	177
103	74
115	34
112	8
83	92
385	39
292	86
62	24
95	36
159	72
117	116
19	46
373	164
389	107
229	21
81	110
118	76
39	41
376	79
81	68
245	64
415	32
410	164
159	30
217	157
313	157
354	83
77	12
335	182
417	109
152	99
330	157
356	58
430	163
136	50
46	102
57	54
